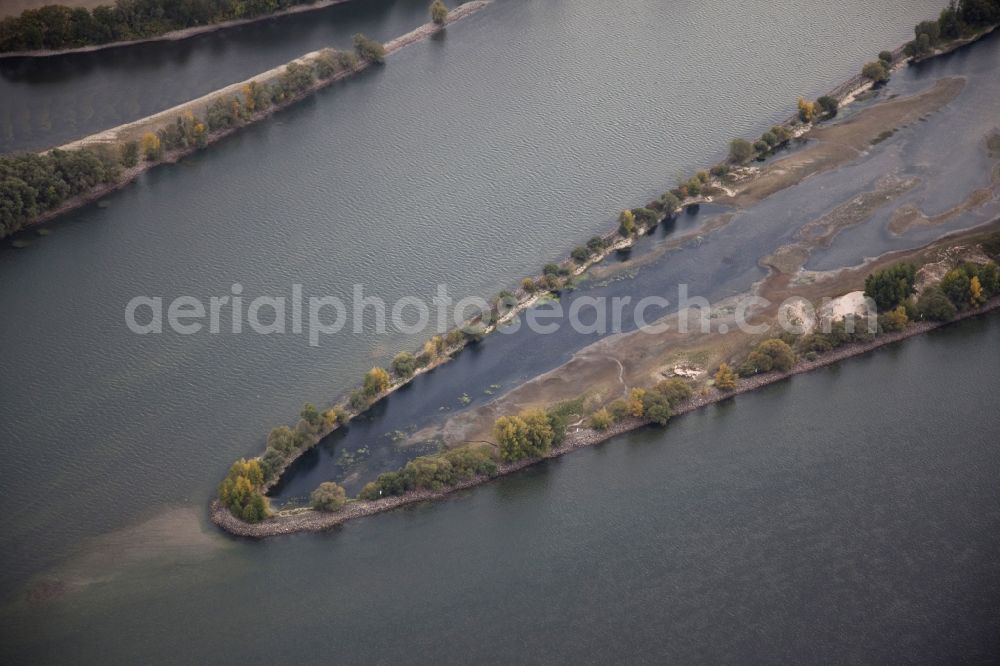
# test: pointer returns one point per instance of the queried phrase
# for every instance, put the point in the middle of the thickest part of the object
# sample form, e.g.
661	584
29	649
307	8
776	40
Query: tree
875	71
439	12
674	390
283	439
334	417
740	151
151	147
769	355
369	49
130	154
526	435
596	245
528	285
725	378
894	320
601	419
580	254
656	407
404	364
934	305
955	286
829	105
886	57
311	415
669	203
626	223
329	497
807	110
376	382
619	409
240	491
890	287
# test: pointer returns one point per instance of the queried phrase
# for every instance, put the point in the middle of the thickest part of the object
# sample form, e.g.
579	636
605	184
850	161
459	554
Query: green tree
626	223
580	254
875	71
404	364
656	407
328	497
439	12
740	150
934	305
130	154
674	390
829	105
369	49
773	354
890	287
955	286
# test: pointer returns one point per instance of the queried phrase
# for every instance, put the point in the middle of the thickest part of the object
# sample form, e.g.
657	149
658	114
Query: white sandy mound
852	303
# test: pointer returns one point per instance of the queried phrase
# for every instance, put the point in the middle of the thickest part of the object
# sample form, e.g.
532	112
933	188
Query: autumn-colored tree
333	417
439	12
807	110
601	419
769	355
976	297
376	381
725	378
634	401
528	434
151	147
894	320
528	285
240	491
329	497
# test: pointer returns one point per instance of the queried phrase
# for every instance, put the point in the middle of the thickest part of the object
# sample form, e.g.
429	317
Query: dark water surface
471	160
853	523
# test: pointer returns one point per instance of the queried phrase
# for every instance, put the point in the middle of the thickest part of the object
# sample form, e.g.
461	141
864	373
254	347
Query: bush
647	217
601	419
740	151
719	170
886	57
528	285
271	462
329	497
283	439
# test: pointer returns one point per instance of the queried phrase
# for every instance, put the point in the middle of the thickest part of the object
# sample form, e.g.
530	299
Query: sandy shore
308	520
174	35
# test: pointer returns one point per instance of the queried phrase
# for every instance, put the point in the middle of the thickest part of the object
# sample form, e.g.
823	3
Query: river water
469	160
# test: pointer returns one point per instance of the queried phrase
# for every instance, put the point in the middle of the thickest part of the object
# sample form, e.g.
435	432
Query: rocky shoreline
309	520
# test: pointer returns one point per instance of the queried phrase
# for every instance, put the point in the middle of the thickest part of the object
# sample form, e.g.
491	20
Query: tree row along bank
286	444
37	188
61	30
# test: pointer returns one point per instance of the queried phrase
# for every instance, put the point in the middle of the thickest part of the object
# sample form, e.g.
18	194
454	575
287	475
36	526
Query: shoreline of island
615	239
309	520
